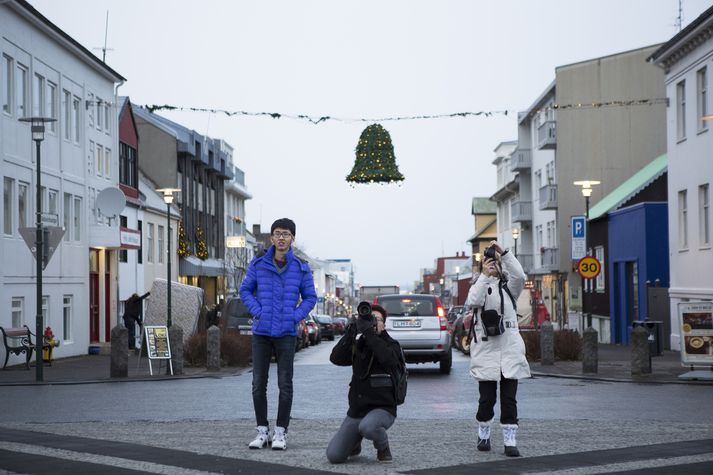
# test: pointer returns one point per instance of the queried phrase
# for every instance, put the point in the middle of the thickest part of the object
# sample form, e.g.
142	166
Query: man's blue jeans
284	348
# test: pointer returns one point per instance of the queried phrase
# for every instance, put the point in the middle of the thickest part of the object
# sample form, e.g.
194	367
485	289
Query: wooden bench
19	340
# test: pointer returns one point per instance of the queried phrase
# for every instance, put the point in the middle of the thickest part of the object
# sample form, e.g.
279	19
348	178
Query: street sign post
589	267
579	237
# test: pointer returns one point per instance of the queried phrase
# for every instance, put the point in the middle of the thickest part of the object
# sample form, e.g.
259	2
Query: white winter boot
484	435
262	439
279	439
509	433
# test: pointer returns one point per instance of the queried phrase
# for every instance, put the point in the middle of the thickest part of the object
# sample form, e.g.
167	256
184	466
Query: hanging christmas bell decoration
375	160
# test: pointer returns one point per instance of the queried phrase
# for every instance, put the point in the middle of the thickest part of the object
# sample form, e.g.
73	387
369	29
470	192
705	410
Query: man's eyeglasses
282	235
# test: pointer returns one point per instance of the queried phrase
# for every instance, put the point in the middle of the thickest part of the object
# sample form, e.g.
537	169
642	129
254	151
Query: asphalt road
569	426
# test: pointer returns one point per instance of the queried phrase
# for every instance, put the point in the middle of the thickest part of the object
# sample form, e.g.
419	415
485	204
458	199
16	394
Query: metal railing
549	259
526	260
547	135
521	211
548	197
521	160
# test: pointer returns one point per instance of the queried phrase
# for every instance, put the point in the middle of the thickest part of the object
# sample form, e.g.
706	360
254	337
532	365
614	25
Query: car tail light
376	300
444	322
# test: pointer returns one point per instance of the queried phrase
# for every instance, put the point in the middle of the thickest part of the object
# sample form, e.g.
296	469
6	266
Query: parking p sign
579	237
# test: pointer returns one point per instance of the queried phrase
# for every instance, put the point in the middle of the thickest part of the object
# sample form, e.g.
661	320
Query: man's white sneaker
279	439
263	438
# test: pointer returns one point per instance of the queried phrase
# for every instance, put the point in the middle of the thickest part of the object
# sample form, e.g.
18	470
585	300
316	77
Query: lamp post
515	235
586	192
37	127
168	199
477	262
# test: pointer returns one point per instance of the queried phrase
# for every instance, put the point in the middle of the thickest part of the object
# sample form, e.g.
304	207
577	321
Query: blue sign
320	299
579	237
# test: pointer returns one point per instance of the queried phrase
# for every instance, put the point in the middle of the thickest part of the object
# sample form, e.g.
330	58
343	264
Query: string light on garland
183	249
375	161
201	248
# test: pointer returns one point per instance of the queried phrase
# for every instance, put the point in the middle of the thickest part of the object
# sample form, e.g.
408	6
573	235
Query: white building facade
687	60
47	73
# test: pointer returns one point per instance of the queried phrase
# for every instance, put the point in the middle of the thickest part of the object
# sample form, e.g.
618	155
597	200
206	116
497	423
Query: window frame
704	217
23	90
9	206
8	88
67	317
702	98
682	220
149	242
20	308
681	110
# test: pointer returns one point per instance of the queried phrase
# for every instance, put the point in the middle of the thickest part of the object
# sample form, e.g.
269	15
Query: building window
127	165
704	215
18	310
100	160
51	106
77	218
38	96
160	244
67	114
107	163
682	220
599	254
67	215
107	109
6	84
123	253
140	251
149	243
100	115
702	98
90	110
21	90
8	197
681	110
22	204
90	159
45	311
52	202
67	318
75	119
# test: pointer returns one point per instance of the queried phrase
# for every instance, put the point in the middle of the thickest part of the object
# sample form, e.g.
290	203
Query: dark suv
326	326
418	322
237	316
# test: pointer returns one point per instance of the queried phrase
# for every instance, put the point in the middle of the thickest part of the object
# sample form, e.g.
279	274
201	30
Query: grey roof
702	19
483	205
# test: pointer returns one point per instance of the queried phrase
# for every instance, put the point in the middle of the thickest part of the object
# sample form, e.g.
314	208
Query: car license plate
407	324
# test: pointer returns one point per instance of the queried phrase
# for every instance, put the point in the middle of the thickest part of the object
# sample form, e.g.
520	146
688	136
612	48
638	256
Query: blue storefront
638	252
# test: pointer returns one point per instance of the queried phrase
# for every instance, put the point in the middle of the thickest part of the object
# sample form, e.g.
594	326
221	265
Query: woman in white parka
501	357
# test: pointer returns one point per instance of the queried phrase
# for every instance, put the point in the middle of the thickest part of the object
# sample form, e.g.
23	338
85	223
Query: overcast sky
360	59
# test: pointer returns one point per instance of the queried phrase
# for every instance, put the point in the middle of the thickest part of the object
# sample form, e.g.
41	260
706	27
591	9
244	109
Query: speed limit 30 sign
589	267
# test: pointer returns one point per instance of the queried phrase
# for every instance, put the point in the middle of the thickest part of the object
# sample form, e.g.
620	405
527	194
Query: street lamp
586	192
37	127
168	199
515	235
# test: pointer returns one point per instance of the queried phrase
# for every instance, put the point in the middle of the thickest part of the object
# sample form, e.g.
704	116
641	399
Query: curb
616	380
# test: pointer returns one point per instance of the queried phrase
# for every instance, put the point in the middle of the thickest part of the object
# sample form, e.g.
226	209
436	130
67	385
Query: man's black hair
380	309
284	223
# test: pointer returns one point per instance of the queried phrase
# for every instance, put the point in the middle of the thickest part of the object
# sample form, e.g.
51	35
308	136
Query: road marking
100	459
639	464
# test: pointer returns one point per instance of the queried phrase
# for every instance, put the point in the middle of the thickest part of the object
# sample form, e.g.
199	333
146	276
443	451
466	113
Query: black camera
364	310
489	252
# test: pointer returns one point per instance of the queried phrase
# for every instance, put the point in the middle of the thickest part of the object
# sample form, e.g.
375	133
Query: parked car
326	326
236	316
418	323
453	314
340	323
313	329
302	340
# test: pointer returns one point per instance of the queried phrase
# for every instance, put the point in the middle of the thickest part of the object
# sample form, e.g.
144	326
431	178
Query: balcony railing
549	259
526	261
548	197
521	160
521	211
547	135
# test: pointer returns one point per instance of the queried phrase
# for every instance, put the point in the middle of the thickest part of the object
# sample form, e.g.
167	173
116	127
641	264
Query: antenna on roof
679	18
106	33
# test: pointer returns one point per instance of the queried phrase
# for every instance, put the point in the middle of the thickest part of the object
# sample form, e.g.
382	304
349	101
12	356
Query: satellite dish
111	201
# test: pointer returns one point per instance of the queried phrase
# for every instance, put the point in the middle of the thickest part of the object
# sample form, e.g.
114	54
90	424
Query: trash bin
655	329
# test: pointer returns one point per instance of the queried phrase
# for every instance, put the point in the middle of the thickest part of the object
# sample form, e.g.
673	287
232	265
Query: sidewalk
615	366
95	369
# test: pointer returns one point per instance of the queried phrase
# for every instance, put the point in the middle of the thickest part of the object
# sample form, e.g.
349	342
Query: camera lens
364	309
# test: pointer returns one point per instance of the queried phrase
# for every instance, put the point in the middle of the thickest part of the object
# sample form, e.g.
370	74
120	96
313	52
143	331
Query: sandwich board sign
158	346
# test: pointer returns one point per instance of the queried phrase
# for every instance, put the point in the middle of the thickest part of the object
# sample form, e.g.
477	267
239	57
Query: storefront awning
191	265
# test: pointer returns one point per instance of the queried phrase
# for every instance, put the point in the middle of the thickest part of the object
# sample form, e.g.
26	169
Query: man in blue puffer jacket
271	290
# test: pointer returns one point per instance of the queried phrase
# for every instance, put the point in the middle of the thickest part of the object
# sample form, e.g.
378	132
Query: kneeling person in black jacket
372	401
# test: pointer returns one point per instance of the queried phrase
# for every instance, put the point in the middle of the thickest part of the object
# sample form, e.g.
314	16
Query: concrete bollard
640	351
175	336
119	359
213	345
547	344
590	351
